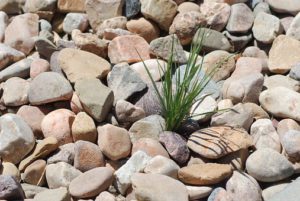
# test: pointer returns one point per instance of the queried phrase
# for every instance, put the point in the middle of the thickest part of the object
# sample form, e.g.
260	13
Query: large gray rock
17	139
96	98
10	189
289	193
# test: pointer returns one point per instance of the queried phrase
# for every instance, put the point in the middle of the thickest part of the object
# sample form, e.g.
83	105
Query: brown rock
35	173
71	5
84	128
127	112
150	146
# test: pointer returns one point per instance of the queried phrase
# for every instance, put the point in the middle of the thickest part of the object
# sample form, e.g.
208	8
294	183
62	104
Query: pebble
15	92
58	194
267	165
9	55
70	5
35	173
10	189
75	21
84	128
162	165
38	66
150	146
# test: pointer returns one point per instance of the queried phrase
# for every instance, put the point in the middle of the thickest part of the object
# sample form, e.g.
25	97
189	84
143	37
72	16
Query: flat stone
162	165
49	87
205	142
282	6
35	173
75	21
267	165
10	189
17	139
70	5
204	174
96	98
15	92
9	55
84	128
58	194
78	64
91	183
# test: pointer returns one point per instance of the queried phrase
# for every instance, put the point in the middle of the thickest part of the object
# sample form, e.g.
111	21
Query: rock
3	24
91	183
267	165
132	8
96	98
264	135
9	55
33	116
241	19
204	174
187	6
270	191
235	159
281	62
42	150
38	66
216	14
10	169
38	6
125	82
162	47
266	27
78	64
105	196
145	190
127	113
238	42
281	106
113	141
84	128
58	194
61	174
218	194
286	125
295	72
205	142
242	186
185	25
198	192
202	110
87	156
45	47
212	40
150	146
98	11
31	190
128	48
110	34
15	92
282	6
144	28
136	163
111	23
148	127
58	124
281	81
35	173
261	7
286	22
293	30
290	141
162	165
75	104
162	11
49	87
17	138
70	5
175	146
65	153
237	116
289	193
75	21
10	189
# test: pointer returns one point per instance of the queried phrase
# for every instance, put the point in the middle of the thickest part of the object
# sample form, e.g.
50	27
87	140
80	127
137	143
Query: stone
90	42
281	81
218	194
136	163
162	165
60	174
290	141
58	124
286	22
38	66
87	156
289	193
20	32
216	14
31	190
144	28
91	183
127	113
100	10
213	40
42	150
65	153
3	24
17	138
36	6
286	125
105	196
235	159
128	48
113	141
70	5
239	42
266	27
282	6
78	64
84	128
261	7
237	116
241	19
10	169
10	189
33	116
293	29
264	135
206	142
148	127
267	165
96	98
295	72
125	82
202	110
58	194
175	145
281	62
15	92
132	8
198	192
187	7
35	173
150	146
242	186
270	191
9	55
185	25
45	47
110	34
75	104
75	21
281	106
204	174
111	23
160	11
49	87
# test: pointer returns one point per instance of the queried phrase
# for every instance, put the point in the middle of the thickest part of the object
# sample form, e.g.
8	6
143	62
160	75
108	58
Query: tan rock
71	5
127	112
187	7
10	169
84	128
111	23
35	173
150	146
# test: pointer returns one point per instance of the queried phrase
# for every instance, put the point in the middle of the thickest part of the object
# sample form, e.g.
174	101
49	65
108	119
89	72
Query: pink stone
38	66
149	146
